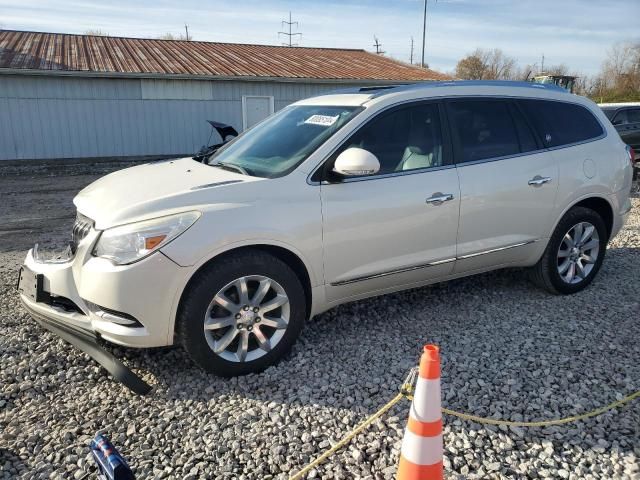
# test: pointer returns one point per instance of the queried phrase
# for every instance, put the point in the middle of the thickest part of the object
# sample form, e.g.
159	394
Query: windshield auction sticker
323	120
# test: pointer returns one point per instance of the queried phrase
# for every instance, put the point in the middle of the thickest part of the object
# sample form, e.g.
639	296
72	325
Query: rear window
560	123
626	117
485	129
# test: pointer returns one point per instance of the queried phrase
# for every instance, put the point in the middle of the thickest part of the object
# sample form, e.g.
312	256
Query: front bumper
89	345
146	291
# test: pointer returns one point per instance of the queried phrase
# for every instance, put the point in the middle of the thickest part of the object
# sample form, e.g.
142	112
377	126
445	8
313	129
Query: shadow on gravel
10	463
498	333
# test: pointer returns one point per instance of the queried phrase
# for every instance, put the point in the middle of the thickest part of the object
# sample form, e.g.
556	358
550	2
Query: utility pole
424	31
542	67
290	34
378	45
411	56
186	29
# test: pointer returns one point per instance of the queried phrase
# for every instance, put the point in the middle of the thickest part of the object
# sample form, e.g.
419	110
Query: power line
378	45
289	34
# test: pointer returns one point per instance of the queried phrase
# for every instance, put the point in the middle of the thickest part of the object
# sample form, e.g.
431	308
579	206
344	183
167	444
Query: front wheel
574	254
241	314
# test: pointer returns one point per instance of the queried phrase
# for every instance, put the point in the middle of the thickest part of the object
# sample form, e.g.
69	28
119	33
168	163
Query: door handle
538	180
439	198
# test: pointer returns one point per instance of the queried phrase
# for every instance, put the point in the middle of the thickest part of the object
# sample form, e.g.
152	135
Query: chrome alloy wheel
247	318
578	252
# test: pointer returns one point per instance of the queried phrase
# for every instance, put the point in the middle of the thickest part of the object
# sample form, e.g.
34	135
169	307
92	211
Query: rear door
627	123
508	184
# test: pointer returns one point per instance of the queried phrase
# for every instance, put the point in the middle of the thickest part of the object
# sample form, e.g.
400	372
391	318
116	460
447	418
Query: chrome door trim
493	250
538	181
392	272
439	198
430	264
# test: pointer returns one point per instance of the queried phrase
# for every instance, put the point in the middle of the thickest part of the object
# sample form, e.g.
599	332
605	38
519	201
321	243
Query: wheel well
283	254
298	266
602	207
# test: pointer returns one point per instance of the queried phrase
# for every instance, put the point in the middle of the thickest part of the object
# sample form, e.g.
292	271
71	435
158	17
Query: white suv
333	199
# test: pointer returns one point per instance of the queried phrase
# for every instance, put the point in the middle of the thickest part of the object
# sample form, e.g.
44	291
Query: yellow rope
544	423
347	438
405	392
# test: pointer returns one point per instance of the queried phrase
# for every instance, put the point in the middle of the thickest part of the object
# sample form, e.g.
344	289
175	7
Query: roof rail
380	90
381	87
473	83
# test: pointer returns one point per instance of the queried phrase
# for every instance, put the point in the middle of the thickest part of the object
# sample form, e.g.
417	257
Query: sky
577	33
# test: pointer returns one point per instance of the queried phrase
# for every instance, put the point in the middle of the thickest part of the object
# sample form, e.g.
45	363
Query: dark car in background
626	118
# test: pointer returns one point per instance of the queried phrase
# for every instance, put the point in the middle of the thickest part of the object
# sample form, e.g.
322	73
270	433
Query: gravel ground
509	351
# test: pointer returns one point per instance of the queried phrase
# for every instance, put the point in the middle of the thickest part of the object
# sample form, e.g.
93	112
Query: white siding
70	117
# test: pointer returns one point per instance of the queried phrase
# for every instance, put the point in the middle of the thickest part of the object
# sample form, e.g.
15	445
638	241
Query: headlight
130	243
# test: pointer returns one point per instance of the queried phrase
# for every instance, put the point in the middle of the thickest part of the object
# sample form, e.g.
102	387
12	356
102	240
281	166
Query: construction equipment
565	81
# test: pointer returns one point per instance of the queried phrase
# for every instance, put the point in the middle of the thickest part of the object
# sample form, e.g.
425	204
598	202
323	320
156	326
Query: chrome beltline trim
493	250
392	272
430	264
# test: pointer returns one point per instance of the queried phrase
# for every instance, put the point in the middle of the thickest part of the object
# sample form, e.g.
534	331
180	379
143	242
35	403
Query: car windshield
283	141
609	112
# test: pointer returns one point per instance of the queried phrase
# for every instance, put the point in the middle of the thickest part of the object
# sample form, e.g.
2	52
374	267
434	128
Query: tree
619	78
471	67
171	36
96	32
485	64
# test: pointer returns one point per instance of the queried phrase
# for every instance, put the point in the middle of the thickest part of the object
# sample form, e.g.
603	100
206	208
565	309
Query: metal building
80	96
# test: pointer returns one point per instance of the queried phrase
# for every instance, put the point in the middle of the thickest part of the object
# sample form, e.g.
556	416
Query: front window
283	141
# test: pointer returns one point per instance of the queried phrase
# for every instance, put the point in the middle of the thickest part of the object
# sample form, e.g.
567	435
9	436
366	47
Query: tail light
632	155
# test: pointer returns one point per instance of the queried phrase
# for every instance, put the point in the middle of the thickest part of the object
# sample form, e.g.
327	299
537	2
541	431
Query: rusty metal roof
65	53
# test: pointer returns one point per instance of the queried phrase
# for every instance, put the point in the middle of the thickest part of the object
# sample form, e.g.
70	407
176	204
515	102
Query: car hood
156	189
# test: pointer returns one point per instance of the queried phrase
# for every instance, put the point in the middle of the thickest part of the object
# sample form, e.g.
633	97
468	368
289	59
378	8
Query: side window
633	115
525	135
560	123
408	138
620	118
484	129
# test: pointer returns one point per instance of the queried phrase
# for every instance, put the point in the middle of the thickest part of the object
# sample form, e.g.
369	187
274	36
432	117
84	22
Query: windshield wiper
231	167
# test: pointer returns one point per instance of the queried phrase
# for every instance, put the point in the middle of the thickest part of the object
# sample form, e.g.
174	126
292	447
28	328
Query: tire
221	283
547	272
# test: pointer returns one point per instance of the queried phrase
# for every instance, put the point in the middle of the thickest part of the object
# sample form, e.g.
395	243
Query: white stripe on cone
421	450
426	400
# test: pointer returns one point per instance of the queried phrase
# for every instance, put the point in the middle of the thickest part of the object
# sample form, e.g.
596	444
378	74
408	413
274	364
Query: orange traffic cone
421	454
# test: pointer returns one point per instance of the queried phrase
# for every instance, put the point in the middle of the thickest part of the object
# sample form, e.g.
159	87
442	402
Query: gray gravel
509	351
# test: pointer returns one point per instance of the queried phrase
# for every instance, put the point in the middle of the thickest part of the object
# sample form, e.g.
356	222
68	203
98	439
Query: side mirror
356	161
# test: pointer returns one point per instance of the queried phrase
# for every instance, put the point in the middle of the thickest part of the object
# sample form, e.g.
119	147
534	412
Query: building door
255	109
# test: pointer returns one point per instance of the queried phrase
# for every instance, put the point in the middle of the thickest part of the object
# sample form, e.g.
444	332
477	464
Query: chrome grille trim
81	228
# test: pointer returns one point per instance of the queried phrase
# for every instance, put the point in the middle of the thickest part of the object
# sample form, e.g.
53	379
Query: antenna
289	34
378	45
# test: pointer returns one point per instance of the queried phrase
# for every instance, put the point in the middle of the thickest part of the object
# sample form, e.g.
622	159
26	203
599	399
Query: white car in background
333	199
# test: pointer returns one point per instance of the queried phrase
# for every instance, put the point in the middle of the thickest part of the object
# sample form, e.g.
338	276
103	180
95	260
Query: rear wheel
241	314
574	254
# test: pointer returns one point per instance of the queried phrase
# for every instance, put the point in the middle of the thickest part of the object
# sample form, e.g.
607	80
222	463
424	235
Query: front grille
81	228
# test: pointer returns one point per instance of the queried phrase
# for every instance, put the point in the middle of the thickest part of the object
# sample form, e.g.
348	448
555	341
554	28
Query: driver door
396	228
